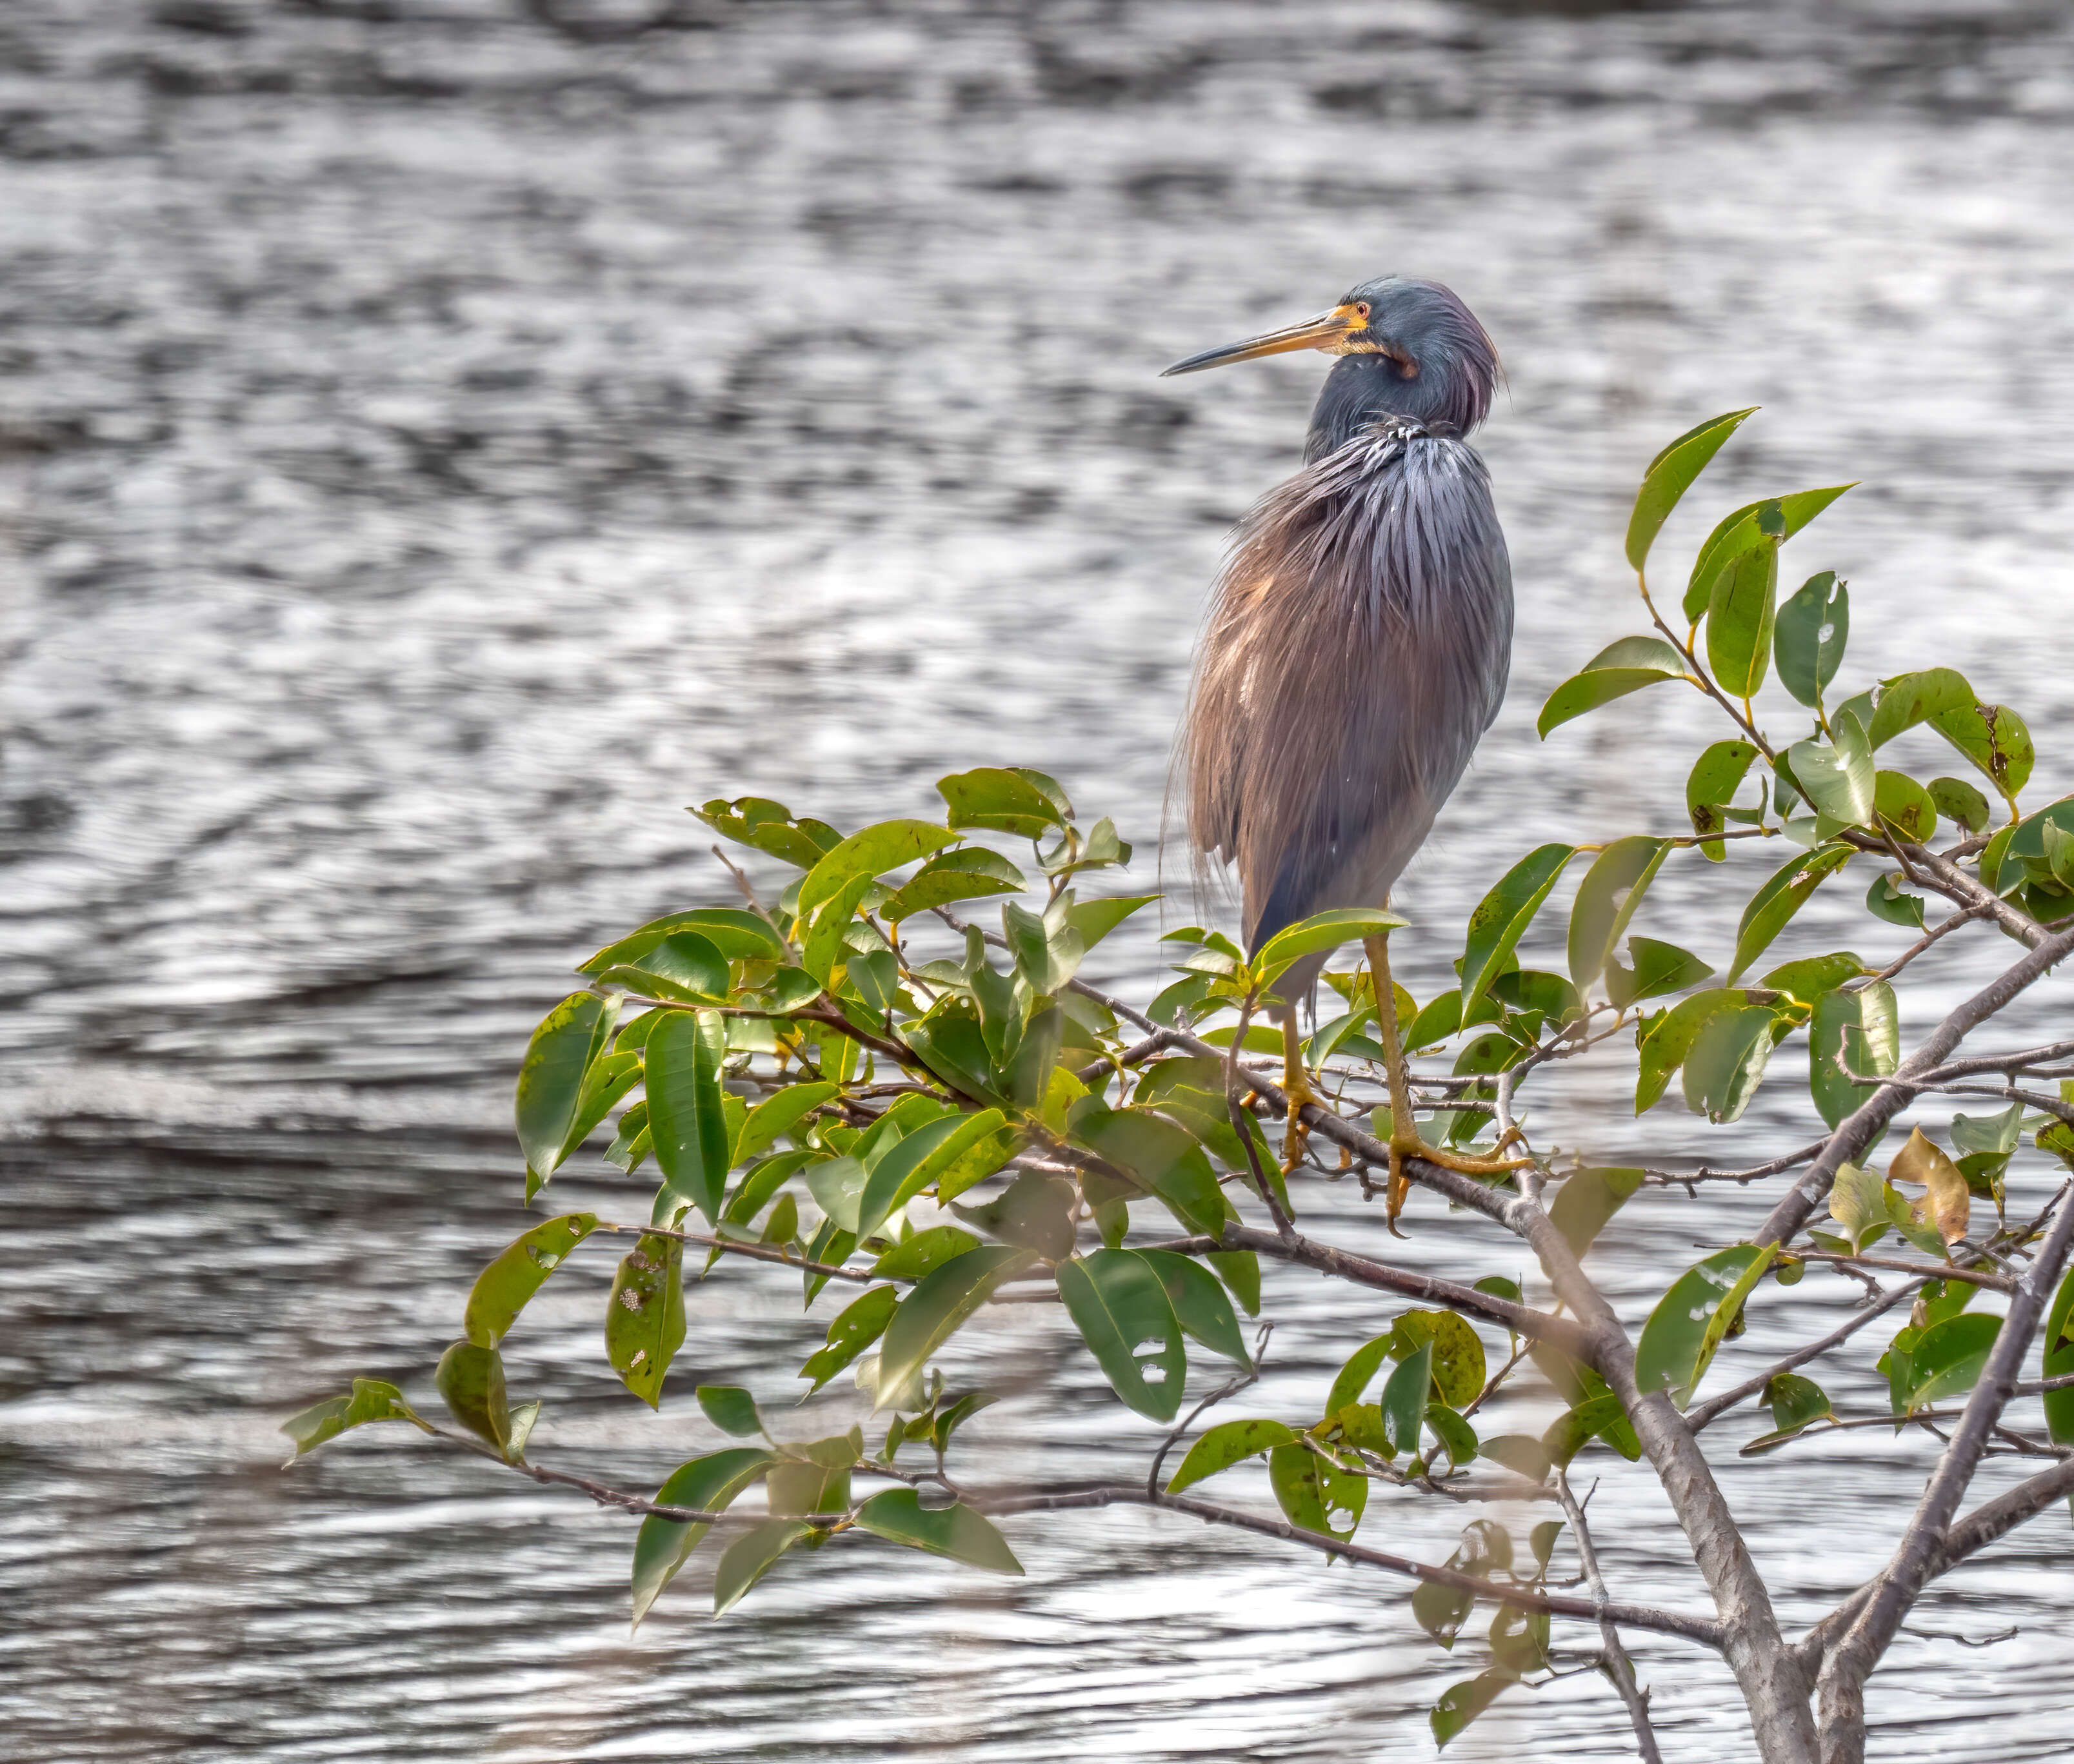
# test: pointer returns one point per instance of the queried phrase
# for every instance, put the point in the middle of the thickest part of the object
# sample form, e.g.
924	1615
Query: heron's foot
1297	1090
1405	1143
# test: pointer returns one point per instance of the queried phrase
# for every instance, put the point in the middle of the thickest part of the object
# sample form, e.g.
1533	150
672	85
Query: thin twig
1619	1668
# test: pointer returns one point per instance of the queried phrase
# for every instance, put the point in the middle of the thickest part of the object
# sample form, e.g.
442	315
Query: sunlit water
437	446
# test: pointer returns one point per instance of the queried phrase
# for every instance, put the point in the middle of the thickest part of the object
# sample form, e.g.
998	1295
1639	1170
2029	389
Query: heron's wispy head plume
1422	354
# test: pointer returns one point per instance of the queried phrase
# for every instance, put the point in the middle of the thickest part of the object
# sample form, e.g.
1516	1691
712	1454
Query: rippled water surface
439	438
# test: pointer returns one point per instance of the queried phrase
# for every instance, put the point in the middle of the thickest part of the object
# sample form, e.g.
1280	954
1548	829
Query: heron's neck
1361	390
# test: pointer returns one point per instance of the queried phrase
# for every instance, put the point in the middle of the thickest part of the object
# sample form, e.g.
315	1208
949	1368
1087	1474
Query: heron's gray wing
1358	650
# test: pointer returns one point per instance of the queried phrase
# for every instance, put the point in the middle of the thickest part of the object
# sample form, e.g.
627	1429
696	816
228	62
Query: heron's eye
1361	311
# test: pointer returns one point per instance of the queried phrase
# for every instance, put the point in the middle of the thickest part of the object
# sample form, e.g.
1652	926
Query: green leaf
1659	968
1049	953
644	1320
471	1378
1095	919
1739	619
1784	893
1034	1211
501	1289
1520	1453
1587	691
1461	1703
1003	799
1737	532
686	1119
730	1408
941	1300
1663	1043
1606	899
1519	1639
923	1252
1358	1373
1227	1444
2057	1349
856	1327
751	1556
683	966
957	1531
1994	737
1805	980
706	1485
1599	1417
1587	1200
1502	917
1795	1402
1839	781
1313	1491
1405	1394
1669	476
371	1399
736	934
1119	1304
1162	1157
776	1116
1727	1060
871	852
1716	776
1910	698
898	1171
1959	802
754	1191
1458	1368
1439	1610
1857	1202
1948	1358
826	946
551	1082
1904	805
769	827
1813	626
1199	1304
1691	1320
969	872
1320	931
1240	1271
1860	1031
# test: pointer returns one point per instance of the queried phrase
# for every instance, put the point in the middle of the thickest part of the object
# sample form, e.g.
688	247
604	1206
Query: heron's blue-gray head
1407	347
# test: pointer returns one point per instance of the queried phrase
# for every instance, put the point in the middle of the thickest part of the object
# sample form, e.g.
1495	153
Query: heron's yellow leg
1404	1140
1296	1087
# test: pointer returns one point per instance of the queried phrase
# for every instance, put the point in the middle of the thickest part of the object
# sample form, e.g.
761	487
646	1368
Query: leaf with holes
644	1319
503	1289
1315	1493
1123	1314
1691	1320
1199	1304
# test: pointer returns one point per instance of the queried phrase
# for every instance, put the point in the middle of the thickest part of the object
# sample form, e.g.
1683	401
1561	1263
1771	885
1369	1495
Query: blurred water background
440	438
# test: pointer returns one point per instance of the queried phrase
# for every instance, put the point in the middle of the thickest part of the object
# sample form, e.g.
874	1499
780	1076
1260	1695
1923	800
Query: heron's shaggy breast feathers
1356	648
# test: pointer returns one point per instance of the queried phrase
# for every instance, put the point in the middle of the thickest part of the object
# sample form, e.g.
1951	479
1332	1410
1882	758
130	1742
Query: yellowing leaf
1948	1202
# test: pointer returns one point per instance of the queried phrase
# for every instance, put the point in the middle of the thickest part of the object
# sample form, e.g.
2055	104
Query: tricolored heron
1357	647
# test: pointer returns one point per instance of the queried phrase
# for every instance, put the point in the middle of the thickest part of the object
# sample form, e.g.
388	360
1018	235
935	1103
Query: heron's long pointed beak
1327	331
